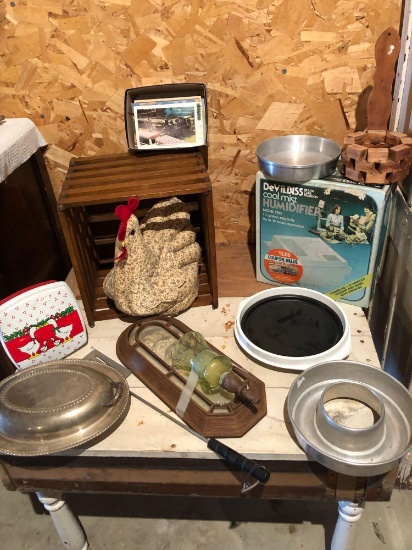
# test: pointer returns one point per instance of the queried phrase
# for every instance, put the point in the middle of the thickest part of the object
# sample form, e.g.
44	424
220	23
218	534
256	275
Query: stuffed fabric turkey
156	263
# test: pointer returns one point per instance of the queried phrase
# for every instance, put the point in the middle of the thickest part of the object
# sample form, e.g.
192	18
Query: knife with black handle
260	473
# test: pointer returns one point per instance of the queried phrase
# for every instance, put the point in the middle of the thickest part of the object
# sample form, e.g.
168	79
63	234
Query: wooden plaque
203	414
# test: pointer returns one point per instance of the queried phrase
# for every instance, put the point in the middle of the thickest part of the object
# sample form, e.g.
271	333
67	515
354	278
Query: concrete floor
155	523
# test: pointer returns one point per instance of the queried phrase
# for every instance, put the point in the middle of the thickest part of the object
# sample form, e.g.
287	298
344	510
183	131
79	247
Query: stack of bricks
376	157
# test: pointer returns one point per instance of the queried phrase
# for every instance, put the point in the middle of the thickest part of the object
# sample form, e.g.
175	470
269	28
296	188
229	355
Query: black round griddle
292	326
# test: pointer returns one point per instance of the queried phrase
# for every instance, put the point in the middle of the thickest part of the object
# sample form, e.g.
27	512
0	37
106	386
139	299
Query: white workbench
145	435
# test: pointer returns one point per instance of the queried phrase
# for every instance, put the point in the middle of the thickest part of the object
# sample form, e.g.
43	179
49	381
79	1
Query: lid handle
118	390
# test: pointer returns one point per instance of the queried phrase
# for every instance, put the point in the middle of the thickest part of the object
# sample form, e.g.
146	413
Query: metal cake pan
297	159
362	451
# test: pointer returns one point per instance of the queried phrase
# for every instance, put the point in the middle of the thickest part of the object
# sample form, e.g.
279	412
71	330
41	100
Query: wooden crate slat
107	212
125	159
129	170
146	175
103	310
202	300
84	255
122	195
102	315
125	188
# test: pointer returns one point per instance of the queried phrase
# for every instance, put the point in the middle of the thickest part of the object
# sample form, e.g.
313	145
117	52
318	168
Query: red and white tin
41	323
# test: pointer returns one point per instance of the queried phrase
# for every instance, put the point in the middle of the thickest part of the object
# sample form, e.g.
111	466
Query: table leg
345	530
68	527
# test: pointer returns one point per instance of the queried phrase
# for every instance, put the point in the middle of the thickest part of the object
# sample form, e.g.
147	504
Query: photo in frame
177	122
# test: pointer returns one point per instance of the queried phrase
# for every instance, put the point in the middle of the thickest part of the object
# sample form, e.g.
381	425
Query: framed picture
169	122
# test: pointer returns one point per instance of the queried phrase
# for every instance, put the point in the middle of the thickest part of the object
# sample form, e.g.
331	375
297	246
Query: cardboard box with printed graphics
326	235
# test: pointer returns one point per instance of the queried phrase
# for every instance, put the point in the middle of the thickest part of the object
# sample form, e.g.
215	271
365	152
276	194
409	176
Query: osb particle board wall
271	68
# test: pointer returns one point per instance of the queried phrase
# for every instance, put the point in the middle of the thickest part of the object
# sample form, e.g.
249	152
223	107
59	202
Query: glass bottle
192	353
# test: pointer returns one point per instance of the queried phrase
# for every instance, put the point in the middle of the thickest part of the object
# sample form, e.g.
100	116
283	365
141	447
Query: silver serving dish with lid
59	405
297	159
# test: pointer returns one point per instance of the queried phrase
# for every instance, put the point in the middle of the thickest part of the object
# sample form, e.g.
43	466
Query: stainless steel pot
297	159
60	405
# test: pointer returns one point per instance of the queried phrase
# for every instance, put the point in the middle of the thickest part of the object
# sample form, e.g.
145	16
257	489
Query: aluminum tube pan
383	453
297	159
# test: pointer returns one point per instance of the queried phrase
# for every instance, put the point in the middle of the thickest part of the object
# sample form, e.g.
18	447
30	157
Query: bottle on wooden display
192	353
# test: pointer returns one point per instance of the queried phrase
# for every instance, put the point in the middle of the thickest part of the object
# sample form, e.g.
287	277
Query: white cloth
19	139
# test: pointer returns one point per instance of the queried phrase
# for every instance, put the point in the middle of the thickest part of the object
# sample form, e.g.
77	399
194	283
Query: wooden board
217	414
380	101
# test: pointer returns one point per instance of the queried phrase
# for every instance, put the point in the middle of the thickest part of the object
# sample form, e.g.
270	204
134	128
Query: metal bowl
60	405
297	159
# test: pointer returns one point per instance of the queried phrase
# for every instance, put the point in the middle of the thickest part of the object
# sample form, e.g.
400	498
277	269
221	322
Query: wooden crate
95	186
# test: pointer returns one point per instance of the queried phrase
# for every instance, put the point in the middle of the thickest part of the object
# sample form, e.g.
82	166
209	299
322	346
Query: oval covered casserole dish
60	405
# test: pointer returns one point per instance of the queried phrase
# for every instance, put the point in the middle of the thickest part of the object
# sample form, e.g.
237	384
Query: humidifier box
327	235
321	264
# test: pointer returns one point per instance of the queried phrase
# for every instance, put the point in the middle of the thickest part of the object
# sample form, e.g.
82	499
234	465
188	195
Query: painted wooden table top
146	433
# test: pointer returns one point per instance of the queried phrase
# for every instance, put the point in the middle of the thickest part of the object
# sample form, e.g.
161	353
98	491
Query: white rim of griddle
339	351
385	452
